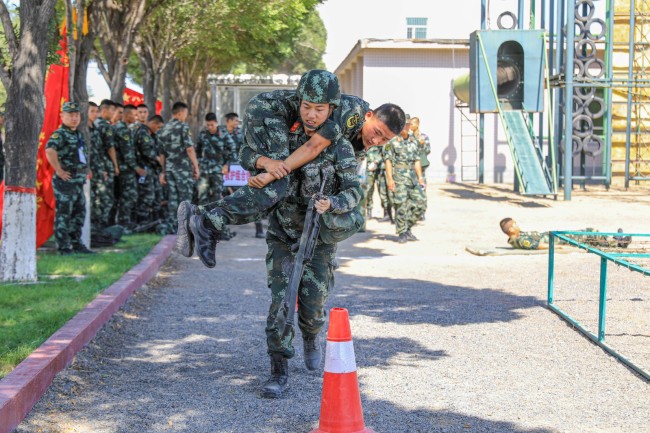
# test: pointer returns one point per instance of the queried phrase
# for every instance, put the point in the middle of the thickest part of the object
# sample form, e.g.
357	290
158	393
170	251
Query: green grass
31	312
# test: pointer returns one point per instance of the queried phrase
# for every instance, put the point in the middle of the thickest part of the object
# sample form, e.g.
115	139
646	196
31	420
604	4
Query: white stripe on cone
339	357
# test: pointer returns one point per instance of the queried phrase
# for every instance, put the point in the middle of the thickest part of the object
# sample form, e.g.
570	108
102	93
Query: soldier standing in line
141	116
215	151
425	150
404	178
97	163
376	175
147	157
181	168
67	154
129	171
266	148
105	195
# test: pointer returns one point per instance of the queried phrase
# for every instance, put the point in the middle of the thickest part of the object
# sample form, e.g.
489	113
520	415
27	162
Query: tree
117	23
22	72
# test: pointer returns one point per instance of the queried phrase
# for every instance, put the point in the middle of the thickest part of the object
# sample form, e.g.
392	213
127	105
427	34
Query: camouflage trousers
128	197
317	281
209	187
149	198
376	177
70	211
180	187
408	199
102	200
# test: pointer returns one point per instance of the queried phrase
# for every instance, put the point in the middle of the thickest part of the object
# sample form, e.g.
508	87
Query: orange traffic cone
340	410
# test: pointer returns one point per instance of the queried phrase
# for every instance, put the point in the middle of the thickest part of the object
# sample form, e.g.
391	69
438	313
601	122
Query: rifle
311	228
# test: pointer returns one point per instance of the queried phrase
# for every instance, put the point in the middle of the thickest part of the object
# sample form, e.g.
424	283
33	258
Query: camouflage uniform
175	139
408	198
104	194
266	124
532	240
70	210
376	174
128	177
237	137
213	151
286	222
425	150
149	188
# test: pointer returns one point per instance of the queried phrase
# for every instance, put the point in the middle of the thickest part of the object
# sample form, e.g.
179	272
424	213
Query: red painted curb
25	385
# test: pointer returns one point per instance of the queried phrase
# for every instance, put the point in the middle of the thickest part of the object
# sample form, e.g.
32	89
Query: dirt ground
445	341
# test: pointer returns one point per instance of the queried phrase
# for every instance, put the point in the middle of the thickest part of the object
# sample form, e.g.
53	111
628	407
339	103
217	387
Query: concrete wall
420	81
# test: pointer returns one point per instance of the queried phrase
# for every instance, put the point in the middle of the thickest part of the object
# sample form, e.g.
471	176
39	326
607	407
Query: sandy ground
445	341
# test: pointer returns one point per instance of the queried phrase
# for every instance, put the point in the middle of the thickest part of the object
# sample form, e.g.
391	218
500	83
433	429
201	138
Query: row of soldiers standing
144	167
139	167
401	189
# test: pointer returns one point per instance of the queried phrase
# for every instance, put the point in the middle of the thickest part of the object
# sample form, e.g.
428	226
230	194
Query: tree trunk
168	78
80	92
24	119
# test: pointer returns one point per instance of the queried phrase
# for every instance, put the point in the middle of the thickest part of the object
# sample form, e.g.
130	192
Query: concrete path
445	341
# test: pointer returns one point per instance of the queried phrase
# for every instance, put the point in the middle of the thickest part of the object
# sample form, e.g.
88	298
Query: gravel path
445	341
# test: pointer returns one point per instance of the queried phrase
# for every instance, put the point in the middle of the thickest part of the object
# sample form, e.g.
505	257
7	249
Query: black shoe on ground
385	218
312	351
184	237
368	213
65	251
402	239
410	236
279	380
205	240
259	231
82	249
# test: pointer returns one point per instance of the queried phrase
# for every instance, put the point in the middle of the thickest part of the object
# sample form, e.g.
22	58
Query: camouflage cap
319	87
70	107
408	117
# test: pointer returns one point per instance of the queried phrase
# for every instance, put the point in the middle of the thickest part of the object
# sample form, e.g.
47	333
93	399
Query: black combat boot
205	239
402	239
368	213
312	351
410	236
387	216
259	230
184	237
279	377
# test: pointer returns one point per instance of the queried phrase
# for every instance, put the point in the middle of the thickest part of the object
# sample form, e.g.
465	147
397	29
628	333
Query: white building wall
420	81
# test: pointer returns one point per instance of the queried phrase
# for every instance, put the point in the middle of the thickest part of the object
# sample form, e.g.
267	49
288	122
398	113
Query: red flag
56	93
136	98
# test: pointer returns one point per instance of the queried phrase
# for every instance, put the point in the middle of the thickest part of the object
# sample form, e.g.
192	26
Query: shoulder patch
295	127
54	135
353	121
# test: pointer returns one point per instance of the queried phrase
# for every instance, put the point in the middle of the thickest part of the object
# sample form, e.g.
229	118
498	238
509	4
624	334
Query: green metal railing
618	258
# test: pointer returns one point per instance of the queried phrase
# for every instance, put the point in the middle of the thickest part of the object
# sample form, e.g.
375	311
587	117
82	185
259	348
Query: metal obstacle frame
618	258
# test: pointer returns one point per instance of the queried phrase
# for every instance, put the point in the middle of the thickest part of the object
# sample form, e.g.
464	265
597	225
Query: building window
416	28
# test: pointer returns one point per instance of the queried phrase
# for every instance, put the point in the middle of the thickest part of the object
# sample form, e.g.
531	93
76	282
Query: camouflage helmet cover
319	87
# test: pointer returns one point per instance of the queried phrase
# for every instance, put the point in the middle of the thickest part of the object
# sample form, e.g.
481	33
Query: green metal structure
619	258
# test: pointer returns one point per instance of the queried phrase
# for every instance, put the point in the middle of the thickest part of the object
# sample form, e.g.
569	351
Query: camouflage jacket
338	164
146	149
174	140
70	149
215	150
97	159
107	135
124	147
346	121
402	151
528	240
375	158
238	140
425	149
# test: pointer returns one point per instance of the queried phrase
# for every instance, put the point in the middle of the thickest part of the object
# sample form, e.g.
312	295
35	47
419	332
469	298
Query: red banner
56	93
136	98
